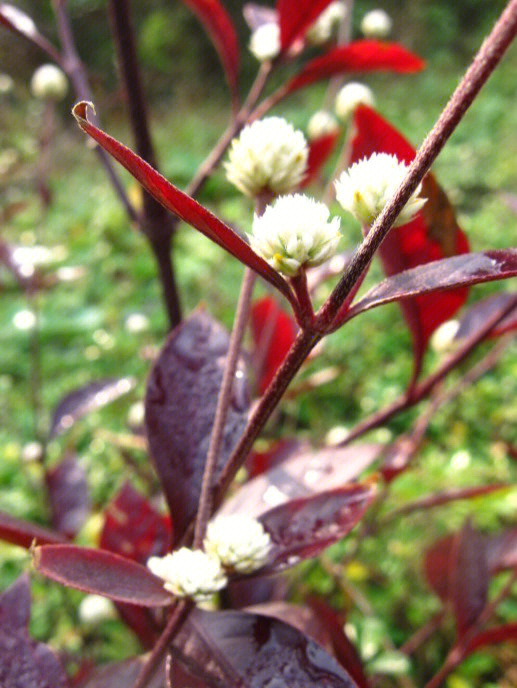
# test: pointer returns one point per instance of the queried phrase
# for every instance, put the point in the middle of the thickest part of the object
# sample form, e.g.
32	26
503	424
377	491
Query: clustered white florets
376	24
49	83
322	29
295	231
265	41
366	187
350	97
321	124
269	156
239	542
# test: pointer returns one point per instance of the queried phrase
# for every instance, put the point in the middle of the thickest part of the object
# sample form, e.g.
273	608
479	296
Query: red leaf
260	461
441	275
274	331
182	205
123	674
69	496
15	605
492	636
358	56
24	533
101	573
295	17
180	408
477	315
432	235
502	551
219	25
437	566
302	528
133	529
320	150
14	19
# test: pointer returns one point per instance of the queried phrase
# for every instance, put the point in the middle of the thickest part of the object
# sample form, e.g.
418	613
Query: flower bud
189	573
442	339
320	124
6	84
293	232
239	542
376	24
366	187
265	41
269	156
321	31
95	608
351	96
49	83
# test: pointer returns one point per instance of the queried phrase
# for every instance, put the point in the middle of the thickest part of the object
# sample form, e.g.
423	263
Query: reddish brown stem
423	634
306	311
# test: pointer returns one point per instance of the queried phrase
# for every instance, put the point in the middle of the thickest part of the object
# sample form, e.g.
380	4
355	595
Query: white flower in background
366	187
321	124
136	414
442	339
269	156
376	24
294	231
6	84
33	451
329	19
24	320
137	322
189	573
95	608
265	41
350	97
238	541
49	83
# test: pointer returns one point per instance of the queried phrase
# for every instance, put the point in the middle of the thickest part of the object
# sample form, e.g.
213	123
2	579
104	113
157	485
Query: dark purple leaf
180	407
302	528
101	573
501	551
122	675
476	316
236	649
250	590
182	205
24	663
295	17
258	15
14	19
86	399
68	495
449	273
305	474
24	533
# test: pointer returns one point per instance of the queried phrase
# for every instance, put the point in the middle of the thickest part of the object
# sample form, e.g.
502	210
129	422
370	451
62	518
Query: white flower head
265	41
95	608
269	156
321	123
366	187
350	97
239	542
442	339
189	573
136	322
322	29
6	84
294	231
49	83
376	24
24	320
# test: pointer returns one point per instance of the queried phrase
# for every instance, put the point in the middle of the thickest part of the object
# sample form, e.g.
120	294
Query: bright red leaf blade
358	56
101	573
182	205
320	150
295	17
24	533
219	26
69	496
477	315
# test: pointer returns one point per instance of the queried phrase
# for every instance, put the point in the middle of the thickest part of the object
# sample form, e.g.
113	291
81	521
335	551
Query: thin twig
423	634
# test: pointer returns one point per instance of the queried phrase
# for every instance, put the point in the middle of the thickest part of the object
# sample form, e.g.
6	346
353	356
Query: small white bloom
136	414
270	155
442	339
6	84
33	451
351	96
294	231
49	83
137	322
265	41
321	124
24	320
238	541
376	24
322	29
95	608
21	21
366	187
189	573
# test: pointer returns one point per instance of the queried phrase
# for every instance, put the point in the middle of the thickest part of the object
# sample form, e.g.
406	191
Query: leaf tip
80	110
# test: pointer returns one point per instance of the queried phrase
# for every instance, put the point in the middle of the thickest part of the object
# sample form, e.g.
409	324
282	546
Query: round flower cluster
239	542
350	97
269	156
49	83
322	29
295	231
321	124
265	41
366	187
376	24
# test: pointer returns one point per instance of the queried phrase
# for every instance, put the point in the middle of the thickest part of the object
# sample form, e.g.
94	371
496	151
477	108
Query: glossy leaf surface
235	649
476	316
85	400
295	17
69	496
357	56
320	150
220	27
101	573
432	235
182	205
180	407
24	533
